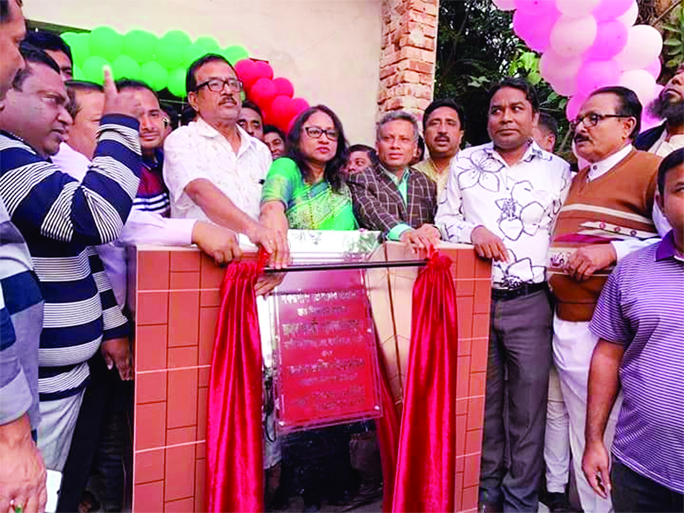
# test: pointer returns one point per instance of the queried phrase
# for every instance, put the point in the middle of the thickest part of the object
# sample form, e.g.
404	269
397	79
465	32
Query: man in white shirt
213	168
503	198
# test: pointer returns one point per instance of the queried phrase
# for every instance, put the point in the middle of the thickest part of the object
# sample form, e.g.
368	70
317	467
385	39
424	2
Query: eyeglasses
216	85
593	119
315	133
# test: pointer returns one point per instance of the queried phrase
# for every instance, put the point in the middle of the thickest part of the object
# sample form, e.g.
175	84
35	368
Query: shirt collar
666	248
397	181
603	166
206	130
533	151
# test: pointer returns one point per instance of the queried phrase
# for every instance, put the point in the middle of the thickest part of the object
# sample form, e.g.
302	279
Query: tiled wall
175	295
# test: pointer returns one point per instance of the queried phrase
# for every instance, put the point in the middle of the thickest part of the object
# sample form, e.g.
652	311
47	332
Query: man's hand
124	102
117	352
267	282
22	471
596	467
487	245
218	242
274	242
586	260
422	238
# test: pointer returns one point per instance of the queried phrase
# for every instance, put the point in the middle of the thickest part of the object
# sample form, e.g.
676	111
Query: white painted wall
329	49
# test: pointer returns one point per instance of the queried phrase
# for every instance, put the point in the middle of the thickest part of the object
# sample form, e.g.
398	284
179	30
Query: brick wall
407	58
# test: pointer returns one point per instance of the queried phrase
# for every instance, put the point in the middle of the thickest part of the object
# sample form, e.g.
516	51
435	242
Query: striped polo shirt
641	308
153	196
60	219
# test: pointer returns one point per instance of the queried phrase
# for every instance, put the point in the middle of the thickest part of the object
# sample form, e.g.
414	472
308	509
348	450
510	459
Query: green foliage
673	39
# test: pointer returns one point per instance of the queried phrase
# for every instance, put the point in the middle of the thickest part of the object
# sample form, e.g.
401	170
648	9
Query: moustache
580	138
228	99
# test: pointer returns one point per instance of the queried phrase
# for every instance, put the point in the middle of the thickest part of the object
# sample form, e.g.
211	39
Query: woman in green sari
304	189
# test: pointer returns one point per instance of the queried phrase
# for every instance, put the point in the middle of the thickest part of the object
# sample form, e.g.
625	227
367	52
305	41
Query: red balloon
264	70
298	106
281	109
262	92
247	72
284	86
268	117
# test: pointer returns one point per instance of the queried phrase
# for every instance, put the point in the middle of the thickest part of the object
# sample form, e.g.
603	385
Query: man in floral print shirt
503	198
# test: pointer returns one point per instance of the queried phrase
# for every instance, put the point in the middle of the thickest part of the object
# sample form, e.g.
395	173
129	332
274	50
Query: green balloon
208	43
139	45
78	73
154	75
235	54
105	42
92	68
193	52
78	43
170	49
176	83
125	67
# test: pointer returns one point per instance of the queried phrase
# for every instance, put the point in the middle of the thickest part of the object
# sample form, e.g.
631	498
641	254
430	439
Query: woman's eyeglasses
315	133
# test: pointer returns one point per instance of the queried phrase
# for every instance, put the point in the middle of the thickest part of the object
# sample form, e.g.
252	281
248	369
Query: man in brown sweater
608	214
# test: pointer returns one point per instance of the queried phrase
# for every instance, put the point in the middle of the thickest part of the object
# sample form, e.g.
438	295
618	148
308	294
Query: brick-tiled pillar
407	59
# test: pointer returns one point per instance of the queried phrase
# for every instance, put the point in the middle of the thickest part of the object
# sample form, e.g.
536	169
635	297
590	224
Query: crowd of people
585	346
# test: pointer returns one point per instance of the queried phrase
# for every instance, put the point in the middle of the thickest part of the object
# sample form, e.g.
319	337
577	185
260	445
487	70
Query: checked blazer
378	204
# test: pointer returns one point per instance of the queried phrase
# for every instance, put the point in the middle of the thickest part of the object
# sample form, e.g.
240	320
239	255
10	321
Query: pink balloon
535	29
596	74
571	37
264	69
298	106
535	7
574	105
284	86
654	68
281	110
247	72
262	92
611	38
611	9
629	18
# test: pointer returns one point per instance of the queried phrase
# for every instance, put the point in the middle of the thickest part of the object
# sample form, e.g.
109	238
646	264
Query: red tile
183	318
150	347
480	325
153	270
207	332
460	463
185	260
200	494
185	280
181	506
180	472
202	396
465	287
459	491
182	410
462	406
150	425
461	423
149	466
153	308
478	382
149	497
201	450
483	268
182	357
150	388
204	374
478	355
464	307
180	435
211	274
463	376
483	296
210	297
469	498
475	413
473	441
465	264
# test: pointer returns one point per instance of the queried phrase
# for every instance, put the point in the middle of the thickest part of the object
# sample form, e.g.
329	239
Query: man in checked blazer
392	197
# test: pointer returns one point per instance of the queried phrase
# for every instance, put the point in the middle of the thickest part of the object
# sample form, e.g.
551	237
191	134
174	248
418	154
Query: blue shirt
641	307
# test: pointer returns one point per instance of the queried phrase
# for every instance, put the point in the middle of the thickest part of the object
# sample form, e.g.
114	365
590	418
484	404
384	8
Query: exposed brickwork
407	59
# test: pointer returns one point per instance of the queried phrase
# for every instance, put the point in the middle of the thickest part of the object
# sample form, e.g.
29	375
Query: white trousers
56	429
573	346
557	438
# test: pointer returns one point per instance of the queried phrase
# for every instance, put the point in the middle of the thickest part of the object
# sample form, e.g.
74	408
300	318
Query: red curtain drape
426	463
234	480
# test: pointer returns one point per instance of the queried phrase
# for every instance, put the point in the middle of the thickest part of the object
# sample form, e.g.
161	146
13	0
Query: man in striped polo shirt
60	219
638	321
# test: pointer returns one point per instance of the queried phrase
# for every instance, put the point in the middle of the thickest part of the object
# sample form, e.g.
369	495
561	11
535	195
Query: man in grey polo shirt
638	320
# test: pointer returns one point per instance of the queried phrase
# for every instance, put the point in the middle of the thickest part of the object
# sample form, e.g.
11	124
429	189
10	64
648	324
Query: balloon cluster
274	96
161	62
588	44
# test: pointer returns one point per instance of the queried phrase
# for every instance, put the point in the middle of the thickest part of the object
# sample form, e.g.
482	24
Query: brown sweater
614	206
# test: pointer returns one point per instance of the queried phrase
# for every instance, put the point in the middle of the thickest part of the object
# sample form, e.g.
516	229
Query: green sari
308	207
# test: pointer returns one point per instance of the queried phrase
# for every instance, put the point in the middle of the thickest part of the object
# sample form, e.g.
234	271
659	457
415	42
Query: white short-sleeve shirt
198	150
